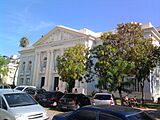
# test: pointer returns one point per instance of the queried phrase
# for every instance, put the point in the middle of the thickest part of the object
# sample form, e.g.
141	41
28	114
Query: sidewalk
51	113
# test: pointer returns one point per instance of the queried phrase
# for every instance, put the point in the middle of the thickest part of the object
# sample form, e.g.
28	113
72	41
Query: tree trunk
120	95
71	84
15	75
142	90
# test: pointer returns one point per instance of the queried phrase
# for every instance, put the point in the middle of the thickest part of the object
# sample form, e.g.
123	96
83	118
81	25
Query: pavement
152	112
51	113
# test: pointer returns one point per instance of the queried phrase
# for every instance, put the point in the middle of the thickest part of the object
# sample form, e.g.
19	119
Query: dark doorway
56	81
42	81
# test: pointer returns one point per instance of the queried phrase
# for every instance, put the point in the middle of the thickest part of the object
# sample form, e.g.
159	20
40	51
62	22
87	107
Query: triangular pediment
58	34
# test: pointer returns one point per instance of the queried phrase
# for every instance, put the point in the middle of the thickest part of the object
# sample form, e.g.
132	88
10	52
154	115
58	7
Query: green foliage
24	42
124	54
3	67
111	67
72	64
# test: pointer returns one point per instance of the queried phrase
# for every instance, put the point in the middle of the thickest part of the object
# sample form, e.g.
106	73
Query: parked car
103	98
32	90
5	86
104	112
21	105
49	98
72	101
37	93
5	115
24	87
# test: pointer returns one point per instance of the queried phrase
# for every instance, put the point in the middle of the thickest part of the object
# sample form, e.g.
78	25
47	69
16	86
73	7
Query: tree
72	64
24	42
138	50
124	54
3	67
110	67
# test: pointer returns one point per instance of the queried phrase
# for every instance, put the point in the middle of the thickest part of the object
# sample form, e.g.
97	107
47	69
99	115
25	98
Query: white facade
13	70
38	63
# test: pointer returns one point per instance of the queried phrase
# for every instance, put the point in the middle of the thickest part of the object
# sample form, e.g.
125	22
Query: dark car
34	92
72	101
49	98
104	112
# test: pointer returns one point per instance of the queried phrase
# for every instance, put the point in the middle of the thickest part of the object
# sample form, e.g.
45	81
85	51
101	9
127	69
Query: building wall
43	55
13	70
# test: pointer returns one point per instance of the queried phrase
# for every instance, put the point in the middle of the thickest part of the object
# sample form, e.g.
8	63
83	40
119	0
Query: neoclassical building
38	62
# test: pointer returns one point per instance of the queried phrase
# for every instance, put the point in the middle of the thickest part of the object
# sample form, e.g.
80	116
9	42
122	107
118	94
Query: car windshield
49	94
140	116
19	99
102	97
19	88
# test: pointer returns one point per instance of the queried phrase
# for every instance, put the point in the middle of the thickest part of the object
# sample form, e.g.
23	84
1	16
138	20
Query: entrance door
56	81
42	81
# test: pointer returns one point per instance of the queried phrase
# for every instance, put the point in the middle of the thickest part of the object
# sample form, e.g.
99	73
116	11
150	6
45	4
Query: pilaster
37	69
50	70
47	68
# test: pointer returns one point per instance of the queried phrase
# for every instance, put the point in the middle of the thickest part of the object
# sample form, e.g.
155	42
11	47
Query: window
106	116
140	116
103	97
2	103
83	115
30	91
19	99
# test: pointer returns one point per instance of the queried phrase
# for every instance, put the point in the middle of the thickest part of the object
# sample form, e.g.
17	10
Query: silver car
103	98
21	105
5	115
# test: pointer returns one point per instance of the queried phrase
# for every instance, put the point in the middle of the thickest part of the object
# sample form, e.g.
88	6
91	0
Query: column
47	68
37	69
50	70
34	71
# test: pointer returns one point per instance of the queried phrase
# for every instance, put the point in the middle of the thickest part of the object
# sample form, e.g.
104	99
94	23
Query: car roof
121	110
26	86
103	94
8	91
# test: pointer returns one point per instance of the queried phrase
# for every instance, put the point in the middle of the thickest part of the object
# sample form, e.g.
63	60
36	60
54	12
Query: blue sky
34	18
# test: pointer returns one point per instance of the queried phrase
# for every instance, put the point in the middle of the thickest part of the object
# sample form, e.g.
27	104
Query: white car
103	98
5	115
24	87
21	105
